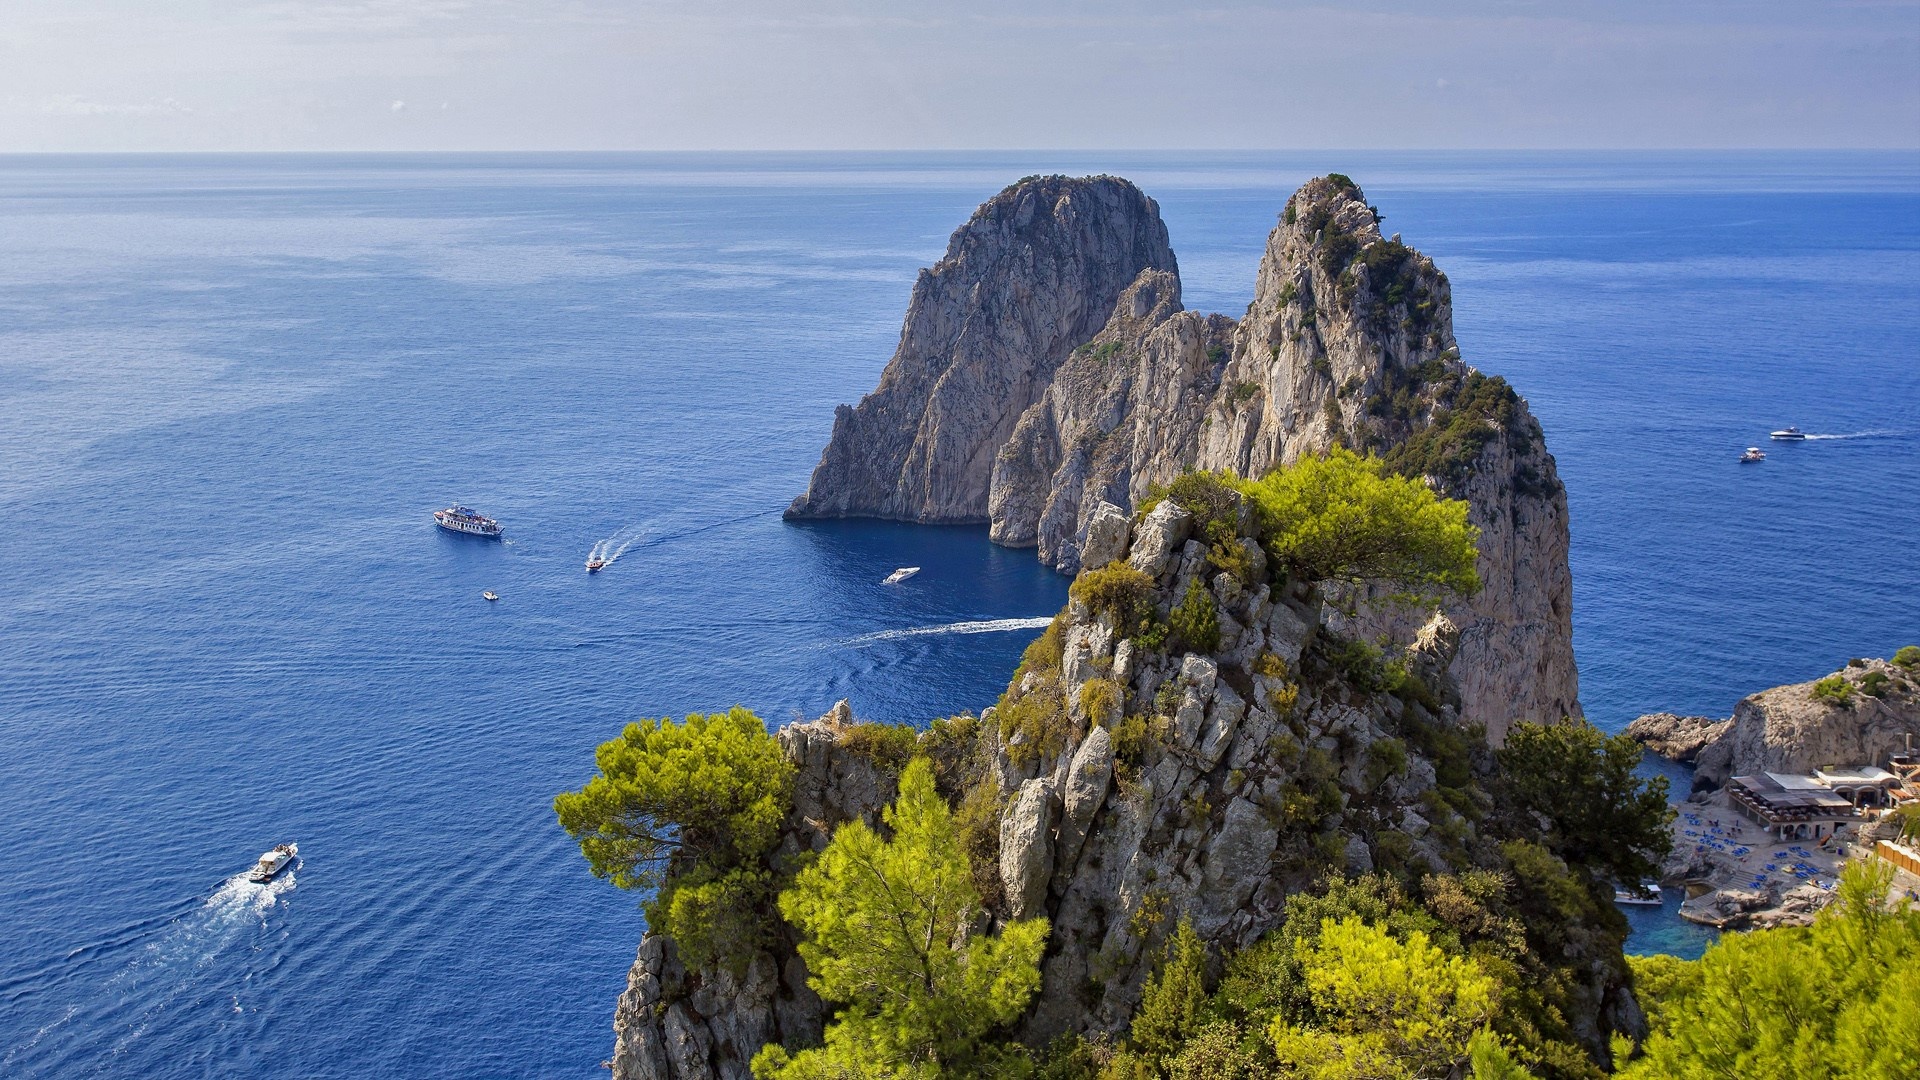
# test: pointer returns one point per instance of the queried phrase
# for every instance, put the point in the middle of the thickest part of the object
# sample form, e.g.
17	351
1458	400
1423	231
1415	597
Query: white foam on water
1856	435
984	626
610	549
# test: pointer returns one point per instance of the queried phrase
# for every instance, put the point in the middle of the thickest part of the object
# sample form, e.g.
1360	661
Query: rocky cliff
1131	784
1793	729
1108	387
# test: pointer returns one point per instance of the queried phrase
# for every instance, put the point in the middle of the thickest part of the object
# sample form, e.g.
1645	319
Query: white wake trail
984	626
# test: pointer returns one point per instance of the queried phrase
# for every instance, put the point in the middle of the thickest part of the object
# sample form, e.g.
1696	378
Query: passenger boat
465	519
900	575
594	565
1752	455
1647	895
1791	434
272	862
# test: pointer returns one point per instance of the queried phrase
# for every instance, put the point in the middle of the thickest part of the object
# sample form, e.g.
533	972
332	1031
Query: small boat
594	565
465	519
489	596
272	862
1647	895
1752	455
900	575
1791	434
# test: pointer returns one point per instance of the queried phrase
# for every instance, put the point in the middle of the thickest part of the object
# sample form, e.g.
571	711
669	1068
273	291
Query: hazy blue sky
786	74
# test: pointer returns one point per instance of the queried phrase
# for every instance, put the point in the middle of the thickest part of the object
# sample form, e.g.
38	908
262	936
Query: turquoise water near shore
233	388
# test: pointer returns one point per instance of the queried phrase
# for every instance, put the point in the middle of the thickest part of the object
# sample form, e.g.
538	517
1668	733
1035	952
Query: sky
240	75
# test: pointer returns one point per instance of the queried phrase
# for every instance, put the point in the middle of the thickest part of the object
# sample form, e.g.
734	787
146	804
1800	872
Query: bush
1119	592
1834	689
1908	656
1604	814
1102	700
1196	621
886	745
1874	683
1345	518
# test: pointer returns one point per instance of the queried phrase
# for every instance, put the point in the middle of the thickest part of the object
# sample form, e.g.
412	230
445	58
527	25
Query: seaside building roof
1776	798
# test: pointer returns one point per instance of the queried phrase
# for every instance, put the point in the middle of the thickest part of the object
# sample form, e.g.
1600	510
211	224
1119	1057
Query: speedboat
594	565
1647	895
489	596
1752	455
1791	434
272	862
465	519
900	575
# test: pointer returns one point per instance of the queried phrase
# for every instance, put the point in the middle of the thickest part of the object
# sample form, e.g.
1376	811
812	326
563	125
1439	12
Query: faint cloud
398	107
75	105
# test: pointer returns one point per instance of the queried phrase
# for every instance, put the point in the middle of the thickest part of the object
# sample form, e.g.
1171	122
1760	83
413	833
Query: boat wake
177	968
1858	435
607	551
984	626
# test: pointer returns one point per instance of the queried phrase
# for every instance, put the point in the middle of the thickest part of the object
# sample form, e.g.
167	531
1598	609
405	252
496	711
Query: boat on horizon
272	862
900	575
1790	434
1752	455
468	521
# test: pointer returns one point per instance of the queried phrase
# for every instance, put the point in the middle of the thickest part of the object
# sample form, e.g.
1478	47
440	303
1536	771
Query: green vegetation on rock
1834	689
1585	782
887	924
688	810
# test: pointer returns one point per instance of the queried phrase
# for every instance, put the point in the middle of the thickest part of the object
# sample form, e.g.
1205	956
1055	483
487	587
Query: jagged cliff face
1349	340
1210	788
1035	273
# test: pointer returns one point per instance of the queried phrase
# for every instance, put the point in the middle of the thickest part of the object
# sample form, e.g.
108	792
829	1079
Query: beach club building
1791	806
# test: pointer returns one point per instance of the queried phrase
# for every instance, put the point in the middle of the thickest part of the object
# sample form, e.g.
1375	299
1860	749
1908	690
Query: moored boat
465	519
1752	455
1791	434
272	862
1647	895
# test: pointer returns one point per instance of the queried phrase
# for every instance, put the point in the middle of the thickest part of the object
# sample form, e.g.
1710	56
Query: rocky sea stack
1047	366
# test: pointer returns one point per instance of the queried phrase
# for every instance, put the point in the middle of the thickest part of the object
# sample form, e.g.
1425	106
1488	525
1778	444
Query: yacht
1647	895
465	519
1752	455
900	575
1791	434
272	862
489	596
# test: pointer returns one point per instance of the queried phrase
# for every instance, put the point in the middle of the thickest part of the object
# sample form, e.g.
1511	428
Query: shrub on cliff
1196	619
1345	518
1838	999
689	810
1834	689
887	927
1908	656
1605	816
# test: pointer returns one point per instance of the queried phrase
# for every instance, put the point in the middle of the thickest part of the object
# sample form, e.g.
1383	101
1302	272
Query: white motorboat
489	596
1647	895
1791	434
1752	455
272	862
900	575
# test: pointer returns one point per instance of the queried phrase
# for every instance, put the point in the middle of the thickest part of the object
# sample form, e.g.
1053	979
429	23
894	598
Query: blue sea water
233	388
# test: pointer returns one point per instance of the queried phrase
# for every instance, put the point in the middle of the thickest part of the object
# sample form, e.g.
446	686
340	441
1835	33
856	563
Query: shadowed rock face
1031	425
1033	274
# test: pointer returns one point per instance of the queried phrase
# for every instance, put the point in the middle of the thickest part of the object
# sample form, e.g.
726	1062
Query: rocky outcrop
1211	787
1348	340
1791	729
673	1023
1032	275
1676	738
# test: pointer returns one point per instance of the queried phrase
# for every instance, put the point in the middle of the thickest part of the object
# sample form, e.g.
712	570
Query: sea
234	388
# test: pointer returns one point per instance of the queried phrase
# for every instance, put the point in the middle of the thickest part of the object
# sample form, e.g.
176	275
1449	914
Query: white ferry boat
465	519
272	862
900	575
1791	434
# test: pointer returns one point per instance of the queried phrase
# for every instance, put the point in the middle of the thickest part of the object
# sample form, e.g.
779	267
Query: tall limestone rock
1348	340
1032	275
